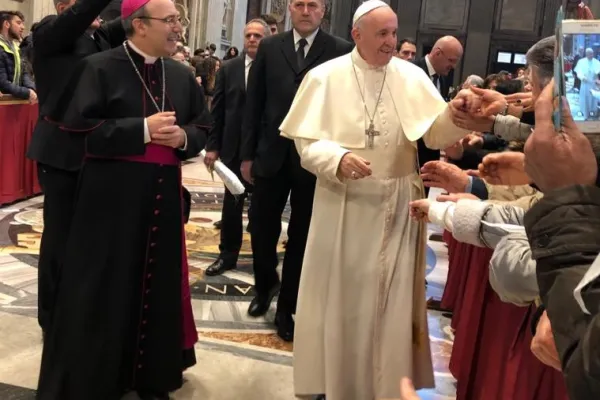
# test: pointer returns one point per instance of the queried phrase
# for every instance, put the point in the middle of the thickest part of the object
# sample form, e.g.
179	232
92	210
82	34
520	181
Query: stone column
41	8
341	17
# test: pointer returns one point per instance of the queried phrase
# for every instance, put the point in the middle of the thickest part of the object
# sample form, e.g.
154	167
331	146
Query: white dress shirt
309	40
431	72
248	65
151	60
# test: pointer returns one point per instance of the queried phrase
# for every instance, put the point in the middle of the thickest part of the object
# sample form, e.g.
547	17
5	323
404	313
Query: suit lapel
240	73
316	49
289	50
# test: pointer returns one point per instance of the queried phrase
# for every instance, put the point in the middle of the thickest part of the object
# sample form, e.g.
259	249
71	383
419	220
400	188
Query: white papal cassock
361	319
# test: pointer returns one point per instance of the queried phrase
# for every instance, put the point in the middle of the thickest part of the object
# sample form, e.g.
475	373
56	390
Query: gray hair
541	58
261	22
128	22
474	80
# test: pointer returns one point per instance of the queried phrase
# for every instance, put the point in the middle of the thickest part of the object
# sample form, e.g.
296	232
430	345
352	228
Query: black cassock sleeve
83	110
199	123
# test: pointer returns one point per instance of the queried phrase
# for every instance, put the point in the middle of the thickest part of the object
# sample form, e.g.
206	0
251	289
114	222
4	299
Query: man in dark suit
271	161
59	42
442	59
224	140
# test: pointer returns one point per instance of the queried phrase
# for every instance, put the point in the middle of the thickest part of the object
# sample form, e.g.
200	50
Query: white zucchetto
366	8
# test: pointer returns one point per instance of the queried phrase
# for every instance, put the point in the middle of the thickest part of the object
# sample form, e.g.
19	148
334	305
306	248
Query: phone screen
580	83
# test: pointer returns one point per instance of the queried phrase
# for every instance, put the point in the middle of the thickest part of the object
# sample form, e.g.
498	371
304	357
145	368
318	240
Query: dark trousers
231	221
269	198
60	188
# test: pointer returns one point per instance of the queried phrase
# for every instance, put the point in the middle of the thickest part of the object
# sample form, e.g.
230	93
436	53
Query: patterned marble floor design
236	354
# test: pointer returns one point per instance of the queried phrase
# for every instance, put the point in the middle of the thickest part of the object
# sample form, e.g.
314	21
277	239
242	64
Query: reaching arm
443	133
199	125
512	270
215	138
257	94
57	34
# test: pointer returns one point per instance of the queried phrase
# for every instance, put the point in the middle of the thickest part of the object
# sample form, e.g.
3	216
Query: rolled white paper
231	181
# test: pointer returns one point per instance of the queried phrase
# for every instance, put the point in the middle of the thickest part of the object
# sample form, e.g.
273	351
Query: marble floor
238	356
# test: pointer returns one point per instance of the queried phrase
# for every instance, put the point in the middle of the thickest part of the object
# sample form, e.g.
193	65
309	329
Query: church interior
479	344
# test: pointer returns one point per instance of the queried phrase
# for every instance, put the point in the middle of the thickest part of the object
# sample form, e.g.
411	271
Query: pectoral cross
371	133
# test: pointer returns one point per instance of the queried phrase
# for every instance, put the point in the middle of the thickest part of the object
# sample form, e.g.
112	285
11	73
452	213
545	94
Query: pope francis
361	321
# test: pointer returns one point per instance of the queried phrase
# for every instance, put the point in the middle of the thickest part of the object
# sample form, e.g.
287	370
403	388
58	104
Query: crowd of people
123	102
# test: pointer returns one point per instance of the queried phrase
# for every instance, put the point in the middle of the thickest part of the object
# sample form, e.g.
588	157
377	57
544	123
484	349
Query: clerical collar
309	39
361	63
430	70
147	59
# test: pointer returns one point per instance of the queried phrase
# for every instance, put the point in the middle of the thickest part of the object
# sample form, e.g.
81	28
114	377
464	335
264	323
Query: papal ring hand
353	174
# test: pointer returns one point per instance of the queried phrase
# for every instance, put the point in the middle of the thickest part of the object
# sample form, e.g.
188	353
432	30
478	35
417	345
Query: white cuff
147	138
440	213
184	147
467	221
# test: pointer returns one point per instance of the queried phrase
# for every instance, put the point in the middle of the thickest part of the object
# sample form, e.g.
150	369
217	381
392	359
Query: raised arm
57	34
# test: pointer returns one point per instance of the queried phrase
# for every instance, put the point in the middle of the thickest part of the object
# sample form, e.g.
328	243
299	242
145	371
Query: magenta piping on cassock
157	154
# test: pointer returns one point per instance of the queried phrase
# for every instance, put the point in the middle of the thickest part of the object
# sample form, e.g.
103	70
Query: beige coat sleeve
523	196
510	128
443	133
321	157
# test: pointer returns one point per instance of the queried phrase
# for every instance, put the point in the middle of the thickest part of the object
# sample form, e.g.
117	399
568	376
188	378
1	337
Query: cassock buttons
160	180
156	212
154	229
149	276
139	366
150	261
158	197
156	98
154	82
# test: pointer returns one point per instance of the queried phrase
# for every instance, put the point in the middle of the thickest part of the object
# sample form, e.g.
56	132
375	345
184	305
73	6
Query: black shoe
218	224
218	267
260	304
285	326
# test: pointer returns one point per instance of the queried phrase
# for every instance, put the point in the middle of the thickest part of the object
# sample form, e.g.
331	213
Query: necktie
436	80
300	53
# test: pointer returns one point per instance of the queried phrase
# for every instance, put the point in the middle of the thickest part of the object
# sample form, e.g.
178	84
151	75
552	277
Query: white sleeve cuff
184	147
147	138
440	213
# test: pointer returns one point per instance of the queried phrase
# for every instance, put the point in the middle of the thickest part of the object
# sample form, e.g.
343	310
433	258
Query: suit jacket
426	154
444	80
227	111
272	84
59	43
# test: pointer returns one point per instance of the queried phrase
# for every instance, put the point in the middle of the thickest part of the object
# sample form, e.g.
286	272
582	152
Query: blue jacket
15	81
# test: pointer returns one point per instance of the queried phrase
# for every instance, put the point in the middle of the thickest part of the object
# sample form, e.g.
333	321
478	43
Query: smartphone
578	49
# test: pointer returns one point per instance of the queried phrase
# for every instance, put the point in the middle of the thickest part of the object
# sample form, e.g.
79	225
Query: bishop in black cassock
123	314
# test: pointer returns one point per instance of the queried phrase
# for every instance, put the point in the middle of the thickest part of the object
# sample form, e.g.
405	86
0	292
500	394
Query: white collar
309	39
147	59
248	60
430	68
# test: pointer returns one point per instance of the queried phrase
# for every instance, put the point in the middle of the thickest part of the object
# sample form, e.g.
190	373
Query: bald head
445	54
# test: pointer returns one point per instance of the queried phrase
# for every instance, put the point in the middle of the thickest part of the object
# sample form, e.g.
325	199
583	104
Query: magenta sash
157	154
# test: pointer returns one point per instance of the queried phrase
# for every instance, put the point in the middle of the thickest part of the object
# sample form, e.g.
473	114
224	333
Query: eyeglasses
172	20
